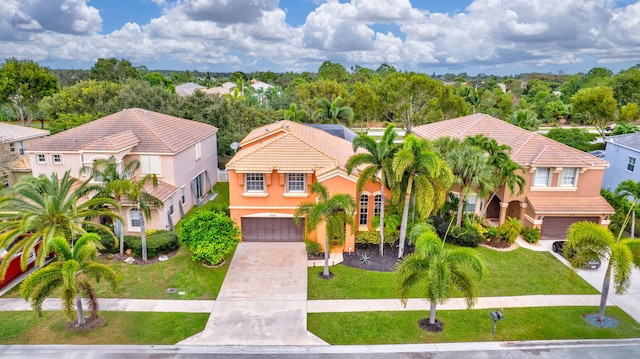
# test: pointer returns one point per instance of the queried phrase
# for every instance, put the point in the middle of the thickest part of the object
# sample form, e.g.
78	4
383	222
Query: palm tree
505	169
420	170
525	118
71	271
293	113
588	240
142	200
333	112
378	160
631	190
471	171
115	184
336	212
42	208
442	271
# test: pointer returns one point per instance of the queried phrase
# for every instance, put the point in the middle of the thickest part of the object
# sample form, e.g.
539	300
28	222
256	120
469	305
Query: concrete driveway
629	301
263	300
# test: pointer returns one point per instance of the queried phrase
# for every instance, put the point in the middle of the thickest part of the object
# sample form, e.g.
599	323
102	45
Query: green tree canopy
113	70
596	106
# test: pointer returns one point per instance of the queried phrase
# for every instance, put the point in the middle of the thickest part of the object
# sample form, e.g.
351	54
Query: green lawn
151	281
468	325
118	328
518	272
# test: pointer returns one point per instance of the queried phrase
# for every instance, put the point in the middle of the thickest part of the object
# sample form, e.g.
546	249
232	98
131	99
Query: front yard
518	272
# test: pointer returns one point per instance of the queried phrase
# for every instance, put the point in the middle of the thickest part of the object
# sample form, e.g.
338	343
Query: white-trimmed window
183	198
569	177
364	210
17	145
377	204
41	158
470	202
631	165
296	182
254	182
171	205
150	165
56	159
134	217
542	177
198	150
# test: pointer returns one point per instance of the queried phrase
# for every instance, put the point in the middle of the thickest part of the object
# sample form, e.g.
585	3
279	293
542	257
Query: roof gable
630	141
157	133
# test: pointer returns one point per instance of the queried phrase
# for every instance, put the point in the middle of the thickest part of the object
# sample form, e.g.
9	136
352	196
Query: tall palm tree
293	113
419	169
71	271
471	172
333	112
505	170
525	118
41	208
336	212
588	240
142	200
442	270
630	190
378	165
116	184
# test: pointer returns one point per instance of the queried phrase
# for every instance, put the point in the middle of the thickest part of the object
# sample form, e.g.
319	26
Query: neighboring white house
623	153
188	89
181	153
17	137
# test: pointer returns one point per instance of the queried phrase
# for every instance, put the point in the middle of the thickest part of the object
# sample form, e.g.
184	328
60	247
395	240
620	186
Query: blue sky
474	36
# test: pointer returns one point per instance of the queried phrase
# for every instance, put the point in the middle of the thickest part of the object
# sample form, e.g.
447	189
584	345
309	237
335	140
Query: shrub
368	238
109	243
491	232
463	236
531	235
158	243
210	235
313	248
509	230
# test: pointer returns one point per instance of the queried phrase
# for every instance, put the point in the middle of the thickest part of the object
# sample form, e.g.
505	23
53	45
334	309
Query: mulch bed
436	327
139	261
385	263
89	324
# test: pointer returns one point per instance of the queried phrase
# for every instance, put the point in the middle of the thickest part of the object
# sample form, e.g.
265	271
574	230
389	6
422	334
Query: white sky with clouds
488	36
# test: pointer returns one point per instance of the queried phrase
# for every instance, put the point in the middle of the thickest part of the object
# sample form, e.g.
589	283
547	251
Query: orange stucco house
562	183
272	174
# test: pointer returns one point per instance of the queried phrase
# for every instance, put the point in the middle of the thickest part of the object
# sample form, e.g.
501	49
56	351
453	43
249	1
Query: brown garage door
268	229
556	227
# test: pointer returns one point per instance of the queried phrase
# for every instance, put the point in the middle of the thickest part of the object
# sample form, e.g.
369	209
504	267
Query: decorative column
503	212
523	209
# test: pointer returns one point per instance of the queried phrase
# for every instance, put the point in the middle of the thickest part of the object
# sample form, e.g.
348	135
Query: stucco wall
619	158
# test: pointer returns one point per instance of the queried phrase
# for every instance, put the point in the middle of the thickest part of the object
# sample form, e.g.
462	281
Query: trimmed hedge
313	248
158	243
531	235
466	236
210	235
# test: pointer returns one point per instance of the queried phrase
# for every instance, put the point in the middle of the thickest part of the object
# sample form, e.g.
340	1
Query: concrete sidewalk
324	306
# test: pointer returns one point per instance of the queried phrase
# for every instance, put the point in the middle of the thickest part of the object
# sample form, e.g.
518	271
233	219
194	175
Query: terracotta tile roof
22	164
162	191
11	133
527	148
158	133
569	205
113	143
290	146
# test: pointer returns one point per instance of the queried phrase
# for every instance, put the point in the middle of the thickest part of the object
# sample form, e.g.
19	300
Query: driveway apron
263	299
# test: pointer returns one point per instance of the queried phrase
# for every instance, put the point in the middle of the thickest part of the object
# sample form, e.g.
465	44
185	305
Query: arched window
364	210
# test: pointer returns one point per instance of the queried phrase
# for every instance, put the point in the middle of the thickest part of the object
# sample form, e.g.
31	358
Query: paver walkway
263	299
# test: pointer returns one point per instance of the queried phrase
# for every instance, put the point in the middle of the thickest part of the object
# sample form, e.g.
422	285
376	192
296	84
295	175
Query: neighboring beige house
181	153
563	184
17	138
188	89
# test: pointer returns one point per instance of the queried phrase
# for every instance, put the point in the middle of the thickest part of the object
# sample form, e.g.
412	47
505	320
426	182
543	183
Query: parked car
558	247
611	127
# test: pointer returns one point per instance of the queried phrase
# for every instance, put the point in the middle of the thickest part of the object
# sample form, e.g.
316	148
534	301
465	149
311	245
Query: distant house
17	138
181	153
623	153
563	184
188	89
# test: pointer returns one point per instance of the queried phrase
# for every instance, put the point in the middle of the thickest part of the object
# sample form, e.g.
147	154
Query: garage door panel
556	227
268	229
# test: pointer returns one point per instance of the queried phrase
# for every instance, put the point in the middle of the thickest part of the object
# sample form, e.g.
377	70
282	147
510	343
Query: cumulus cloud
224	34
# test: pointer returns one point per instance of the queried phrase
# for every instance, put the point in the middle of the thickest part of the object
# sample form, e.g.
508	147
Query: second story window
254	182
150	165
56	159
296	182
198	150
569	177
542	177
41	158
364	210
631	165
